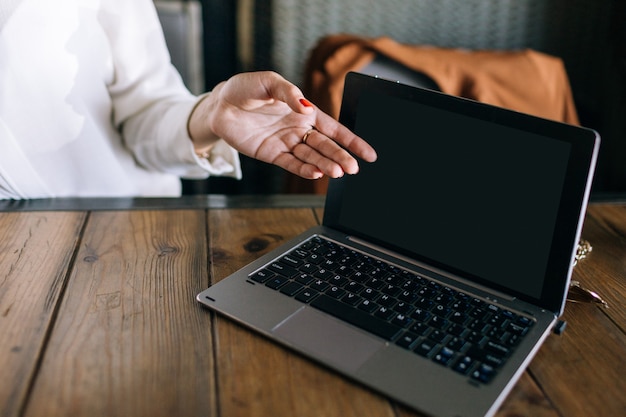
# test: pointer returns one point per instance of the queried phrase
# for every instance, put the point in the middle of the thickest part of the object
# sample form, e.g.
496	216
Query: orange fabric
525	80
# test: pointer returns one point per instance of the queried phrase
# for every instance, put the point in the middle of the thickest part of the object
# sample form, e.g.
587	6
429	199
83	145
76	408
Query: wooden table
98	317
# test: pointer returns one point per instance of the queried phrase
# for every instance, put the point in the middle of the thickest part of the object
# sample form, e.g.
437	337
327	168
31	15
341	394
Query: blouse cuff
222	160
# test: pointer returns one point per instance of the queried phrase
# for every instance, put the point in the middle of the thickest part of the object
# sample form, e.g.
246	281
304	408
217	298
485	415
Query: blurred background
210	40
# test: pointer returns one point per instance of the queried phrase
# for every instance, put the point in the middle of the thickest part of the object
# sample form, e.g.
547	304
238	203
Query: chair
182	27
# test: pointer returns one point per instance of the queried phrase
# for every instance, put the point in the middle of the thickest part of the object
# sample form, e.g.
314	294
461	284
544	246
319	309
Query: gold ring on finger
306	135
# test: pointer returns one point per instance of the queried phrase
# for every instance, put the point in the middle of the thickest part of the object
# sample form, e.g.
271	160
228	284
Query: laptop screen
468	188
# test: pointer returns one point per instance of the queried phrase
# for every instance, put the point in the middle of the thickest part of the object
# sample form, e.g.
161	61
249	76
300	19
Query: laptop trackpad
325	338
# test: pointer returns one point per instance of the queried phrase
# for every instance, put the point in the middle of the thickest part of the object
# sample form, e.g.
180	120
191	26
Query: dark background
589	35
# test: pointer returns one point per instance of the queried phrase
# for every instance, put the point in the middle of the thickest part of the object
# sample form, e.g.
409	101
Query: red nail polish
306	102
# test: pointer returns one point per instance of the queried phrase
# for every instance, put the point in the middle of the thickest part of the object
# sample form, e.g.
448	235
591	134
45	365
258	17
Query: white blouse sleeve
151	105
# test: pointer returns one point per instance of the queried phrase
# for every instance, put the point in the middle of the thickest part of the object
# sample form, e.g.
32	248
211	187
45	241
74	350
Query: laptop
438	270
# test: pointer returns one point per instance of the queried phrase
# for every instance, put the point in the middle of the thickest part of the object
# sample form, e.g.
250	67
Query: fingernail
306	102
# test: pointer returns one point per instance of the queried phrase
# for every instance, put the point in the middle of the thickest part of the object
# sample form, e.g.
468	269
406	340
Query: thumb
289	93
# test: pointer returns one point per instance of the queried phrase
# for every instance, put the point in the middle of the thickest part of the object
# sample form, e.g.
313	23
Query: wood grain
604	270
130	340
594	335
563	367
35	254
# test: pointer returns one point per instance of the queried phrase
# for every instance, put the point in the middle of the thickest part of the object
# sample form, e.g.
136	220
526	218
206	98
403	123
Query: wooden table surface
98	318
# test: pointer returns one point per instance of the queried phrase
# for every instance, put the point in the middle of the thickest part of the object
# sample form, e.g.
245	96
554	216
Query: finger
346	138
281	89
296	166
326	154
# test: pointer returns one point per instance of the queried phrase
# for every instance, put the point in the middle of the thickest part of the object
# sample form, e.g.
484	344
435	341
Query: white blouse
90	105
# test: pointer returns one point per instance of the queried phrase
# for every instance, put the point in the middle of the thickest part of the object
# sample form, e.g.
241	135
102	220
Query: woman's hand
266	117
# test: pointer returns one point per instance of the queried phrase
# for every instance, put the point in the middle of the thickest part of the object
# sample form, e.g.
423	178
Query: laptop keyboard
454	329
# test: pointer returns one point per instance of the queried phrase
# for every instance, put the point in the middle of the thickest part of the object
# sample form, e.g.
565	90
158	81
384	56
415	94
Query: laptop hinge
493	295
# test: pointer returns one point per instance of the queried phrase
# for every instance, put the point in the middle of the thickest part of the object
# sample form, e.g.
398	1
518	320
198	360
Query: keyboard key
493	361
443	299
276	282
456	343
324	274
394	280
308	268
300	253
497	348
524	321
410	285
403	307
444	356
282	269
407	340
375	283
496	334
484	373
354	287
262	275
306	295
513	340
304	279
421	314
420	329
391	290
344	271
336	292
360	277
384	313
319	285
291	261
477	302
426	292
517	329
475	338
314	258
438	322
338	280
460	306
408	296
483	355
363	268
368	306
464	364
478	326
329	264
351	299
378	273
478	313
425	347
291	288
370	294
402	320
441	310
457	330
386	300
497	320
438	336
425	303
458	317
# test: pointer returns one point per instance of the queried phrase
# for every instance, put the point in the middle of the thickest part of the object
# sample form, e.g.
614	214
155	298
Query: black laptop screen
464	193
